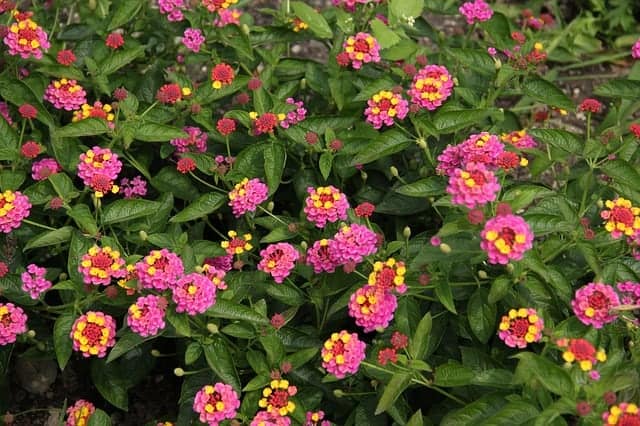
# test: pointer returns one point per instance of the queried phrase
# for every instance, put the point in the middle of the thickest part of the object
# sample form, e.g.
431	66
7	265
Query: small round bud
406	232
31	333
143	235
199	269
422	143
394	171
445	248
63	276
303	83
155	353
178	372
41	346
304	245
270	206
364	175
245	29
600	203
213	328
338	393
482	275
497	64
510	268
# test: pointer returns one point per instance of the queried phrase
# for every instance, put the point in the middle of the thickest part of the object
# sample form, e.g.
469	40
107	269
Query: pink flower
218	5
13	321
215	275
215	403
100	264
505	238
186	165
476	11
146	316
590	105
350	5
315	419
227	17
93	334
630	292
42	169
372	307
30	149
78	414
320	257
388	276
66	57
623	414
136	187
352	243
361	49
342	354
173	9
98	161
325	204
65	94
265	418
159	270
294	116
114	40
226	126
483	148
635	50
14	207
194	293
473	186
431	86
224	263
278	260
34	282
196	142
193	39
520	327
387	355
592	304
25	37
4	112
247	195
384	107
520	139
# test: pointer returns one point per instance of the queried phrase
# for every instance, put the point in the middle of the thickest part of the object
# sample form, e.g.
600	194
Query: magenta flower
635	50
473	186
350	5
483	148
215	275
384	107
42	169
34	282
342	354
352	243
593	302
159	270
194	293
227	17
193	39
93	334
372	307
173	9
520	139
520	327
14	207
505	238
100	264
78	414
476	11
65	94
97	164
320	257
361	49
294	116
247	195
25	37
630	292
278	260
146	316
431	86
215	403
4	112
13	321
136	187
265	418
224	263
196	142
325	204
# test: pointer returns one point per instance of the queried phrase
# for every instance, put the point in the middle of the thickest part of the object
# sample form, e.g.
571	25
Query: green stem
273	216
207	184
152	106
38	225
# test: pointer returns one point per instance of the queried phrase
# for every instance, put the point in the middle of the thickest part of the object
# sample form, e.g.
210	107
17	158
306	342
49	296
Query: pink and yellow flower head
431	86
593	302
34	281
25	37
159	270
97	165
194	293
483	148
384	107
362	49
93	334
473	186
215	403
635	50
227	17
146	316
100	264
14	207
278	260
13	321
621	218
520	327
298	25
222	75
218	5
97	110
195	142
325	204
316	418
276	398
505	238
216	276
582	352
265	418
476	11
520	139
388	275
79	413
372	307
42	169
623	414
320	257
65	94
237	245
173	9
247	195
342	354
352	243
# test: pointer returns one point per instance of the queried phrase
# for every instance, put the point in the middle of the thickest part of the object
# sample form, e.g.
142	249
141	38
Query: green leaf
170	180
444	294
551	376
512	414
221	362
192	353
99	418
499	289
62	342
451	121
179	321
398	383
234	311
119	59
452	375
274	348
385	35
124	210
127	10
619	88
385	144
124	343
203	206
110	386
148	131
9	149
562	139
61	71
86	127
416	419
82	216
498	29
481	315
286	293
420	342
10	179
325	164
275	159
18	92
300	358
622	172
63	186
403	9
423	188
50	238
521	196
316	22
547	93
472	414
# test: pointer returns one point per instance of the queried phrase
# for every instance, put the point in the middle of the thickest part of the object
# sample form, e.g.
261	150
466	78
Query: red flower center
519	327
622	215
93	333
338	348
629	420
582	349
101	183
236	242
508	235
361	46
478	177
384	278
29	34
161	264
101	261
2	202
279	398
214	398
598	301
384	104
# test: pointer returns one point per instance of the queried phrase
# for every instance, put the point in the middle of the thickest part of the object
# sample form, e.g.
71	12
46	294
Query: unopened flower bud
394	171
31	333
422	143
143	235
600	203
178	372
406	232
304	245
245	29
155	353
213	328
303	83
270	206
41	346
338	393
63	276
497	64
445	248
510	268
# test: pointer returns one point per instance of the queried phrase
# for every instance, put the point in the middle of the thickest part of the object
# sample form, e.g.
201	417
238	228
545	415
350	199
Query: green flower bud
178	372
406	232
445	248
394	171
482	275
213	329
143	235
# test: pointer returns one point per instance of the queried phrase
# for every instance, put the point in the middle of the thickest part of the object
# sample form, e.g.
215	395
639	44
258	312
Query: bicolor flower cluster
622	414
360	49
34	281
506	237
97	110
473	185
13	321
593	304
100	265
351	244
520	327
194	293
93	334
14	208
195	142
247	195
278	260
276	398
65	94
79	413
520	139
159	270
25	37
582	352
342	354
146	316
384	107
222	75
621	218
431	86
237	245
325	204
99	168
215	403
